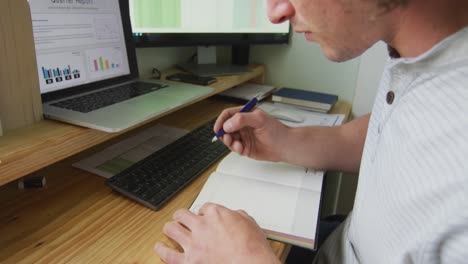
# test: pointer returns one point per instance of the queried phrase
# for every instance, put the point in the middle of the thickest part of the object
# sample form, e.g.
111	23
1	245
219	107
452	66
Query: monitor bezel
132	61
148	40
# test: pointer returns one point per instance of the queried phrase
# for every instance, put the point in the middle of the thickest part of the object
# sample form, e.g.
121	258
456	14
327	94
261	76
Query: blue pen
251	104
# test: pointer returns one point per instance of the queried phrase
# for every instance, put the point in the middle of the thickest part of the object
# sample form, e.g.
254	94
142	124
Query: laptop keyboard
160	176
97	100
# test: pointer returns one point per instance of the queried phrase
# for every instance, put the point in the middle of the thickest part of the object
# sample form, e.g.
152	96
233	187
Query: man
412	197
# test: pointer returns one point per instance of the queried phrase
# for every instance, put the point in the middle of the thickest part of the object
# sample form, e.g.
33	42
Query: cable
156	73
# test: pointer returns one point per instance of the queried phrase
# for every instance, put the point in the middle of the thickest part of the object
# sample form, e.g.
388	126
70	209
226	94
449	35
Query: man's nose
280	10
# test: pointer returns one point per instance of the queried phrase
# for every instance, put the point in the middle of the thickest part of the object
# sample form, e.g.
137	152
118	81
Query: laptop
87	67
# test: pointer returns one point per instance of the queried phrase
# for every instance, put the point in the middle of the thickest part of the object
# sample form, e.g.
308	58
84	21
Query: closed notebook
310	99
283	199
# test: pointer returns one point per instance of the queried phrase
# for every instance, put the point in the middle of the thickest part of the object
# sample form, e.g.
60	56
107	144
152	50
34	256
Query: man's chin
338	56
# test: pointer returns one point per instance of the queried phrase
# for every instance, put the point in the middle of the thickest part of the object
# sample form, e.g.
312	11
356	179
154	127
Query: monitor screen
203	22
78	42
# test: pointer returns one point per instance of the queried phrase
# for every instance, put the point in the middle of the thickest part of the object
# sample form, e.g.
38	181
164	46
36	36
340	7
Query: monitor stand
206	65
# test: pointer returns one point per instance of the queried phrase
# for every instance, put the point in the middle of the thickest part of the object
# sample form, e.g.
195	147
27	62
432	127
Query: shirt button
390	97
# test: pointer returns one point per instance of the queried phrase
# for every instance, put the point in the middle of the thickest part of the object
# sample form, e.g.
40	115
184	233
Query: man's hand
253	134
216	235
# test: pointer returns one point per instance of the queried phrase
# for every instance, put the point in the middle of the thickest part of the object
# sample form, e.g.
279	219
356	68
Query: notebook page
273	172
284	213
269	204
279	173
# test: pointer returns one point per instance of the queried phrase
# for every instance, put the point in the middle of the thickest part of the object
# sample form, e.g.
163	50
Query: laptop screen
78	42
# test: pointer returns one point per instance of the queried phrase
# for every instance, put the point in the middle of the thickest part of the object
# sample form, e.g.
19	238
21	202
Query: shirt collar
451	49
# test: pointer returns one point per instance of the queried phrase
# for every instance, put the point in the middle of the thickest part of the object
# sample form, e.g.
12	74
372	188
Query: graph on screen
60	75
56	70
107	28
104	61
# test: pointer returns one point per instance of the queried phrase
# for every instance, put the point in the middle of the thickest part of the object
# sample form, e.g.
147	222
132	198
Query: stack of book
309	100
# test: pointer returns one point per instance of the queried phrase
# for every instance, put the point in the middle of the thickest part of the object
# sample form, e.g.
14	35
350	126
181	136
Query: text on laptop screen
202	16
78	42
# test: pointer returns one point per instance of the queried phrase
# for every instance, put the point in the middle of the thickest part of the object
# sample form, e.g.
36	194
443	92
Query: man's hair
388	5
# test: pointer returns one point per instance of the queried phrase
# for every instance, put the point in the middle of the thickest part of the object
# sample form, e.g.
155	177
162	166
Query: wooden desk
77	219
26	150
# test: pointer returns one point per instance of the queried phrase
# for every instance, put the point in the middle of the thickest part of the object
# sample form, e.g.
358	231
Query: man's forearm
331	148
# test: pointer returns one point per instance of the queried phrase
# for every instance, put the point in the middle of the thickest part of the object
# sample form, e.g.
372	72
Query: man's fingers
178	233
169	255
226	114
246	215
243	213
247	142
210	208
232	120
247	119
185	217
227	140
237	147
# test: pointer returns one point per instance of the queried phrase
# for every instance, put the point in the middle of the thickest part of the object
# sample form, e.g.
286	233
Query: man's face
343	28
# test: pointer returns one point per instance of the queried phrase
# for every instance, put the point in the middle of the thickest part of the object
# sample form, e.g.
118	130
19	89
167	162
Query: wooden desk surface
77	219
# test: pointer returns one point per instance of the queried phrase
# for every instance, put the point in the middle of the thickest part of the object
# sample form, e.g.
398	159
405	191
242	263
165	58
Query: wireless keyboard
160	176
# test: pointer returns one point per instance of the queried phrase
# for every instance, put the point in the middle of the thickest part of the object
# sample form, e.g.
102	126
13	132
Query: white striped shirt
412	199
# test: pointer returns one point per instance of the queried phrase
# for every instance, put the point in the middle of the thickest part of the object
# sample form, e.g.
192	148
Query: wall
369	74
161	58
299	64
302	65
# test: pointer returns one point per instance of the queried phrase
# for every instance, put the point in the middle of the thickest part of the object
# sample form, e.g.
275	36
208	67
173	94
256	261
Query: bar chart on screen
59	75
104	62
60	69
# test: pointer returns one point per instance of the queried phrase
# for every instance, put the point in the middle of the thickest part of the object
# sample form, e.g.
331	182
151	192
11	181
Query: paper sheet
122	155
310	118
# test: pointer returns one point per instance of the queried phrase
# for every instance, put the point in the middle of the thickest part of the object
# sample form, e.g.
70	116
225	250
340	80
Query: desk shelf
26	150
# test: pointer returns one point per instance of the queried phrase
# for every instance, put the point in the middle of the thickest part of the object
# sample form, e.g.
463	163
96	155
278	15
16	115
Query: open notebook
282	198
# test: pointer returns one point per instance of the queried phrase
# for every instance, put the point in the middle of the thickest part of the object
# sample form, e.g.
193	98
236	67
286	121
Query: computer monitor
238	23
